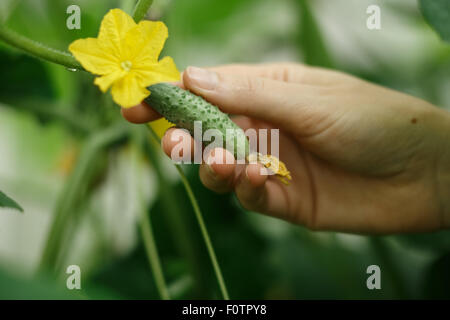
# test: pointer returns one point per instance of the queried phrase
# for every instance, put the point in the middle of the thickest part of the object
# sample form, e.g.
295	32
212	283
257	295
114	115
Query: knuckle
247	204
211	181
251	200
309	221
254	84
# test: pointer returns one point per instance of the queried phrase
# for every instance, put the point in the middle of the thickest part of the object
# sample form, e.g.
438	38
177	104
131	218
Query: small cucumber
183	108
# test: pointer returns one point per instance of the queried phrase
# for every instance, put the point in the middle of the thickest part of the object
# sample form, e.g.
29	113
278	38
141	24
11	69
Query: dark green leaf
310	39
27	77
437	279
437	13
7	202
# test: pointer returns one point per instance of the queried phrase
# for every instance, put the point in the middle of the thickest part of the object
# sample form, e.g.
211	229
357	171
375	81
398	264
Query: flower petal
133	44
106	81
127	92
163	71
160	126
154	35
93	57
113	29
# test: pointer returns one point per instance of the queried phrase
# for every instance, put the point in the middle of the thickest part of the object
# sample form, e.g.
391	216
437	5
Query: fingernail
258	181
246	173
202	78
245	178
209	168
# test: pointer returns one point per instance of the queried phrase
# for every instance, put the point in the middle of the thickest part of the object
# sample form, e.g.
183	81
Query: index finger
142	113
282	71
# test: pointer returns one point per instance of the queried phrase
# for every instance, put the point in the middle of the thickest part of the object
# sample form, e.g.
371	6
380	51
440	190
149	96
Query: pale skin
363	158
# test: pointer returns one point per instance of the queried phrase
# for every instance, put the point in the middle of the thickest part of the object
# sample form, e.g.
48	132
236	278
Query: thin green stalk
152	254
69	197
38	49
205	234
147	233
141	9
201	223
176	218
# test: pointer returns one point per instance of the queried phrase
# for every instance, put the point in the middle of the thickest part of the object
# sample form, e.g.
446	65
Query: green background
49	117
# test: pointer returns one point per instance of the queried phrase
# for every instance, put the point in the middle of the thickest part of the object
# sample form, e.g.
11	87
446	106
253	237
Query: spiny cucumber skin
183	108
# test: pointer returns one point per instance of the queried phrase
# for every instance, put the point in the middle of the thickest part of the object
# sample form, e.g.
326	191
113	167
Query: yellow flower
125	57
160	126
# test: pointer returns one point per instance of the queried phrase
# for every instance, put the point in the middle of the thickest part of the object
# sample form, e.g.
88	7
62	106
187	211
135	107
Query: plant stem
38	49
201	223
146	227
69	196
152	254
176	218
141	9
205	234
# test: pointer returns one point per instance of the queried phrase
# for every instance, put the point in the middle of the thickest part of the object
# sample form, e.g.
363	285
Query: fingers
251	188
141	113
221	174
265	99
178	144
247	181
284	71
218	171
268	92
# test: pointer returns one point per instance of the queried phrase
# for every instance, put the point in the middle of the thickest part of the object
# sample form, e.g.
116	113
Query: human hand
363	158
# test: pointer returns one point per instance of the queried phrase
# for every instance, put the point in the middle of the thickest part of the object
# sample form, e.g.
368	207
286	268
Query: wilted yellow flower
273	164
125	56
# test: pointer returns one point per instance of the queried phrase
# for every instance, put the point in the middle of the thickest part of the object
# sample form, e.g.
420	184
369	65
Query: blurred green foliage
438	14
55	112
7	202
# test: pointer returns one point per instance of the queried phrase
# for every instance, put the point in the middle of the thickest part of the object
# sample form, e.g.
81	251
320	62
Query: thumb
261	98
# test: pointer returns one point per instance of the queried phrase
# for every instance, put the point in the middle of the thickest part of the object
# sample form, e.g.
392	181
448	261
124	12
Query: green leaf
310	39
7	202
437	13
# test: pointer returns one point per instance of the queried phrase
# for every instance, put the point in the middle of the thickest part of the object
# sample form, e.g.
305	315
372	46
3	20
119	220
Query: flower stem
38	49
205	234
176	219
152	254
141	9
146	228
201	223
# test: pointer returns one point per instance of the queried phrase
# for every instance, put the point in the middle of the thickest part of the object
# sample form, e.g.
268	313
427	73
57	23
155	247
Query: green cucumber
183	108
